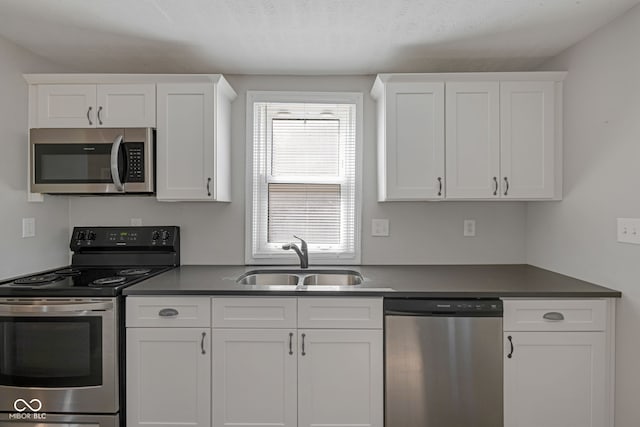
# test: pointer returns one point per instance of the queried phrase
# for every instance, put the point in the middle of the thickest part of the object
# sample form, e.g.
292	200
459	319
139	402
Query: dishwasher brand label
33	405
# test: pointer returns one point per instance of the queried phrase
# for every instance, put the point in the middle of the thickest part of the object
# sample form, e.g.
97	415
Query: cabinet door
185	142
254	377
168	377
527	133
414	139
61	106
555	379
340	377
473	140
127	105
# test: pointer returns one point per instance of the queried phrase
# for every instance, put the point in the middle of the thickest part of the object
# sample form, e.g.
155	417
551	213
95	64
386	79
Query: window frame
289	257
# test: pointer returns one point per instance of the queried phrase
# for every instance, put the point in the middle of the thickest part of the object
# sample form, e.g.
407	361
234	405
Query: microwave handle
115	173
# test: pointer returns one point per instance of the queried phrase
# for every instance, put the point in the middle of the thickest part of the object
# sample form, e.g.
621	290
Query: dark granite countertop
400	281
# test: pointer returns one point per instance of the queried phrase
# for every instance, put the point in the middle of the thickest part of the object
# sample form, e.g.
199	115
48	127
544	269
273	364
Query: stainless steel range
61	331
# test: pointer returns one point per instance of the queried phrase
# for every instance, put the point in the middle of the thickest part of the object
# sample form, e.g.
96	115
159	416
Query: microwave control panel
135	162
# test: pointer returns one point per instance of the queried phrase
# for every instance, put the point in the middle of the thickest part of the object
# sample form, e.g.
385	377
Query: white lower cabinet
556	373
168	361
254	377
168	377
265	375
340	378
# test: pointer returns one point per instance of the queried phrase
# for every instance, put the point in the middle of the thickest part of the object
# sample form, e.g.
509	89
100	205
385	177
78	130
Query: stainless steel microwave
92	161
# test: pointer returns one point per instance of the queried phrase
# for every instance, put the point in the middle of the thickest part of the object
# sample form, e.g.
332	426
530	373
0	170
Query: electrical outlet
136	222
28	227
629	230
380	227
469	228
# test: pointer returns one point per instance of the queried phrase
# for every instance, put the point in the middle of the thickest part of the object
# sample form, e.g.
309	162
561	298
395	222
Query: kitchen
574	237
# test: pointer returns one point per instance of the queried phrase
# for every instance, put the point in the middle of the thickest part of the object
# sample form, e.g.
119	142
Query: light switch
629	230
136	222
380	227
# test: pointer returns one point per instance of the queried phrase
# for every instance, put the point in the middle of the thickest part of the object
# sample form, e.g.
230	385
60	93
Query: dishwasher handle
417	313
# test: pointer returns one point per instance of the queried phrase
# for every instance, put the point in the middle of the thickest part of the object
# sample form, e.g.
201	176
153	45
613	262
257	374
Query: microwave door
117	167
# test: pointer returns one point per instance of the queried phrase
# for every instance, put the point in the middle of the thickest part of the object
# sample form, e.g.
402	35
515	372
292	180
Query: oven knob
81	235
155	235
91	236
165	235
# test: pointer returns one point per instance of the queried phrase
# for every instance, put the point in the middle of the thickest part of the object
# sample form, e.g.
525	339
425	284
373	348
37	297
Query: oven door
91	161
61	352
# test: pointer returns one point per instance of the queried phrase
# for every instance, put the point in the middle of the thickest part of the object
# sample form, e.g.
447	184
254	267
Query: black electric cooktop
105	260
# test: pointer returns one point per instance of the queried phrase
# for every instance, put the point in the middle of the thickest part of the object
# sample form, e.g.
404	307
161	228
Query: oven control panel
112	238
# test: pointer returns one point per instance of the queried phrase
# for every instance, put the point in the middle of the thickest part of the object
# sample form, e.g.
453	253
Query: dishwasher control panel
448	307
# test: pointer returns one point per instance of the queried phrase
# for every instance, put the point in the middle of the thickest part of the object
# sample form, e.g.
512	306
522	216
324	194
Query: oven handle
55	308
115	173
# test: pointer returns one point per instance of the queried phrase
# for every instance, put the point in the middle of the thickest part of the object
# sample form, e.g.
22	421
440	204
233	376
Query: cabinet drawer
168	312
555	315
246	312
340	313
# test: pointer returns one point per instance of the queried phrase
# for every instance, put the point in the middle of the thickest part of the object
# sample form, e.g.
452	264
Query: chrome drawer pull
553	316
168	312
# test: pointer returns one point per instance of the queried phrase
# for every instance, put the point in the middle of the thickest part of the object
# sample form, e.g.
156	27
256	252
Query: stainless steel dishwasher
443	363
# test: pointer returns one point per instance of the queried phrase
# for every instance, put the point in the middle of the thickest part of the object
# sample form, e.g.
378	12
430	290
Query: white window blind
304	167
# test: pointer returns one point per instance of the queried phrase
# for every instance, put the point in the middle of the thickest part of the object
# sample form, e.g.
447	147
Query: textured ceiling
301	36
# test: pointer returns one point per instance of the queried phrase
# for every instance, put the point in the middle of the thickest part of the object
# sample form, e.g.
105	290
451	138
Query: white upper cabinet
91	105
473	139
126	105
527	133
410	140
497	136
193	141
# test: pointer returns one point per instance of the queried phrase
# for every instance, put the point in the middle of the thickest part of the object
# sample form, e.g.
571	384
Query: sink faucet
302	252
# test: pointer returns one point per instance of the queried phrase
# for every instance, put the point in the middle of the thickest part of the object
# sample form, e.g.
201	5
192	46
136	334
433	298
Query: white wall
602	182
49	247
421	233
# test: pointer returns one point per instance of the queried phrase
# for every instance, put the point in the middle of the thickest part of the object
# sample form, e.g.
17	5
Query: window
303	152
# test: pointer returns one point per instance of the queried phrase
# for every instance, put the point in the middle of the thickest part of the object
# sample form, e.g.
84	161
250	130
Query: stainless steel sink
333	278
268	279
300	278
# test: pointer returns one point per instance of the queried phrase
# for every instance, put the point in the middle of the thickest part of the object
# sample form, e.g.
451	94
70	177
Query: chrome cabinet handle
439	186
99	118
168	312
209	187
506	190
554	316
204	334
510	355
89	115
290	343
495	182
303	353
